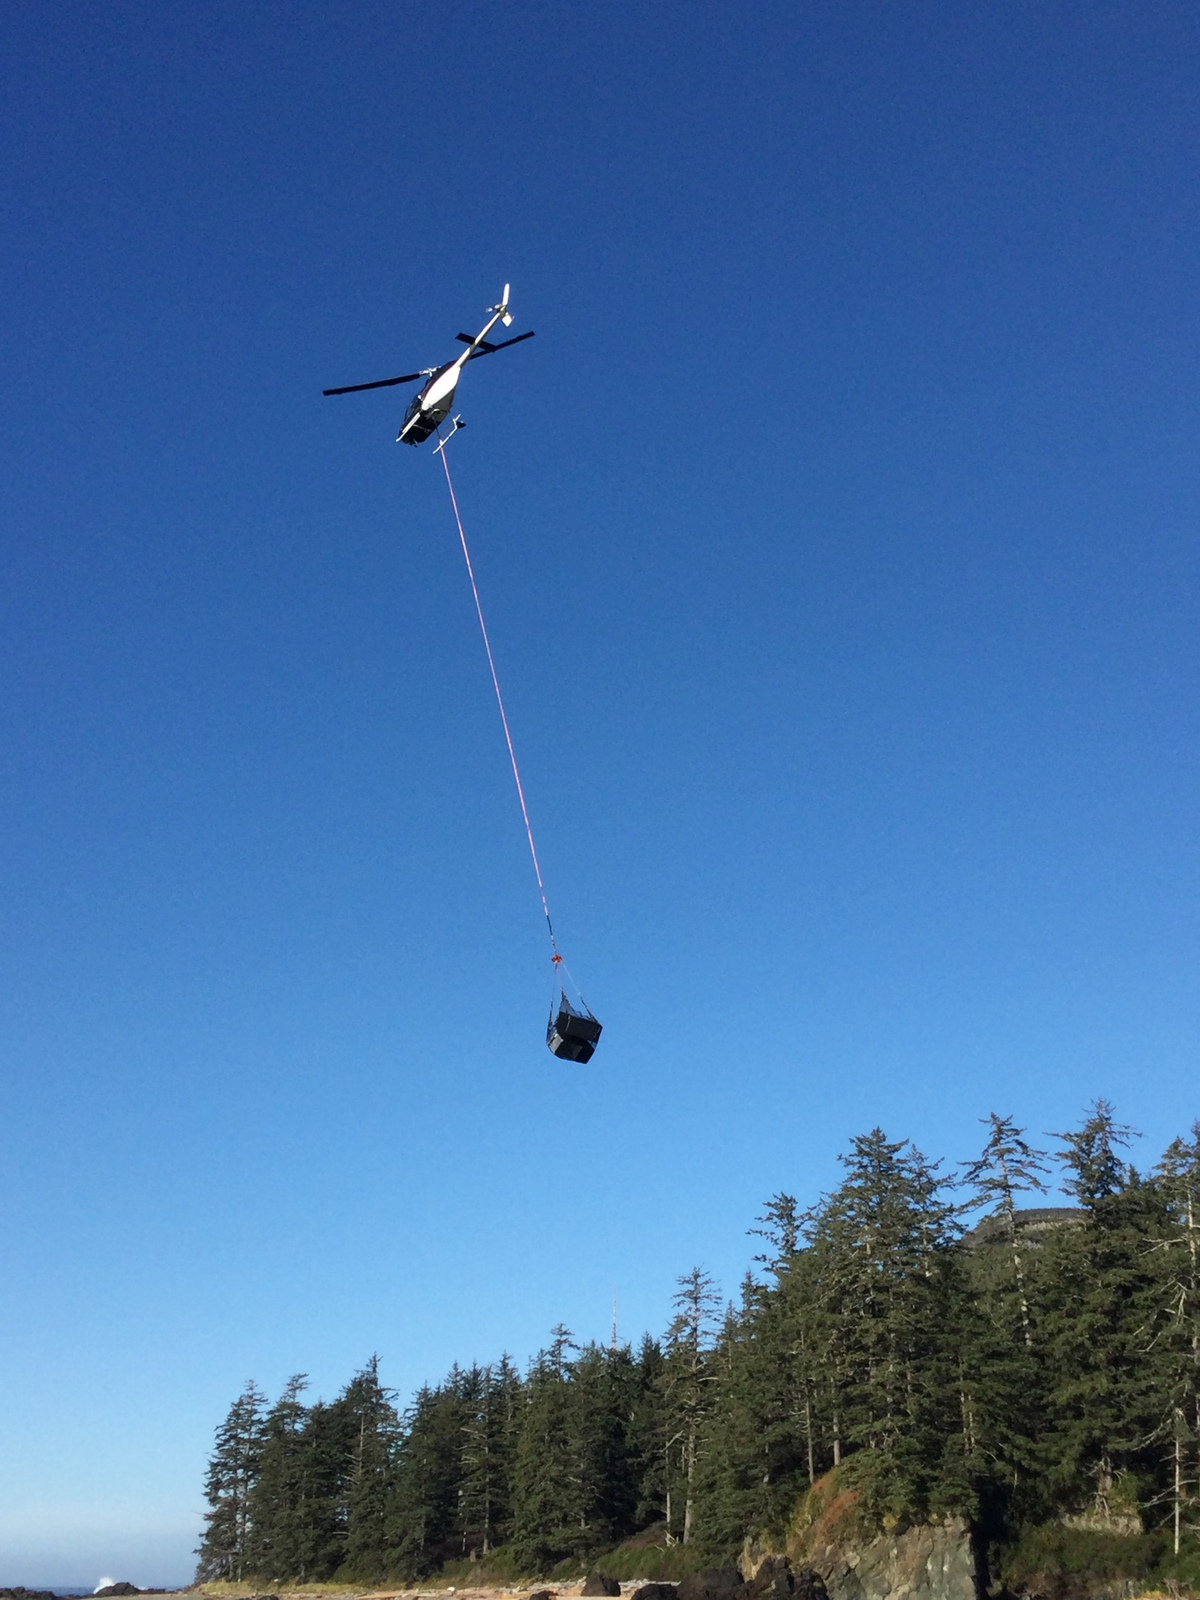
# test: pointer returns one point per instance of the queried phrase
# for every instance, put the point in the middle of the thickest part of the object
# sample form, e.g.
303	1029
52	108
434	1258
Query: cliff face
934	1561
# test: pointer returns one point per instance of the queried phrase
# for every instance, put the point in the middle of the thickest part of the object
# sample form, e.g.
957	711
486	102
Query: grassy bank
1055	1560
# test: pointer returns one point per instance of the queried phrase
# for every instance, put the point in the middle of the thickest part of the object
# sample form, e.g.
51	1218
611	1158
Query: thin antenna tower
614	1332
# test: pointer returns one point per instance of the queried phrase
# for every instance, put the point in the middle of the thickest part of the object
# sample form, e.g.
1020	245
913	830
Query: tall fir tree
424	1526
646	1432
371	1481
1008	1166
603	1385
489	1439
1100	1310
232	1473
278	1545
1178	1179
881	1243
687	1381
548	1509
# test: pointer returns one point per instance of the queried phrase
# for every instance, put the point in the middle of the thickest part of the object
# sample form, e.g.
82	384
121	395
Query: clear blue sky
838	538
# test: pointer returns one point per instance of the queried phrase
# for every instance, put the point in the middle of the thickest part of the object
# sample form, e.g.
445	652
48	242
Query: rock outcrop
768	1577
935	1561
597	1584
720	1583
773	1580
854	1561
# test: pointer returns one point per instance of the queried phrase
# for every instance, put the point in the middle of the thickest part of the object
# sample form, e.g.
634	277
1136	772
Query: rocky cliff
932	1561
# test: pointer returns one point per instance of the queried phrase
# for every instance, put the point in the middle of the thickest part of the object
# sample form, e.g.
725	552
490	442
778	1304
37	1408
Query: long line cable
512	754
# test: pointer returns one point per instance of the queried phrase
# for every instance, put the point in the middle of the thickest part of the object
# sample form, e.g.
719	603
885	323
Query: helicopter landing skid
454	427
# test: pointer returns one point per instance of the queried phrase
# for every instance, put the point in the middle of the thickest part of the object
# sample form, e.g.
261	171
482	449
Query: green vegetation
655	1563
1090	1558
1039	1376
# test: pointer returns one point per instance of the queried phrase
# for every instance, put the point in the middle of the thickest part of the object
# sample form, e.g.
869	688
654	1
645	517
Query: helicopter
434	400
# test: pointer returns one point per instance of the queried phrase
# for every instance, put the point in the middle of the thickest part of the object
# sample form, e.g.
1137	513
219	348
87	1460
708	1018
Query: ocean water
63	1591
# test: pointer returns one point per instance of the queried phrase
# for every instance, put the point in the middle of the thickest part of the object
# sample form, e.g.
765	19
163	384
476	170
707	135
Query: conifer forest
961	1343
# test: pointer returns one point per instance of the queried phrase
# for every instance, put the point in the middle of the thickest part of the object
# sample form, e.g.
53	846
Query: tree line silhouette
1039	1371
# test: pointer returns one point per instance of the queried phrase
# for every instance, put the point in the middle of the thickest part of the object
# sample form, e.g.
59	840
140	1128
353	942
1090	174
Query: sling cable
572	1031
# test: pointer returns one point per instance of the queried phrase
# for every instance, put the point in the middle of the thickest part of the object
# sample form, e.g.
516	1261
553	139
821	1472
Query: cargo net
572	1031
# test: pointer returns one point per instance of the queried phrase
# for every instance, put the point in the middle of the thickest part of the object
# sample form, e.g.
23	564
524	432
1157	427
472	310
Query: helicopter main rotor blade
490	349
380	383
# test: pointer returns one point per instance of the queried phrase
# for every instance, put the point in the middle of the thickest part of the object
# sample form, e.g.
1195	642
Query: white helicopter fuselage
431	404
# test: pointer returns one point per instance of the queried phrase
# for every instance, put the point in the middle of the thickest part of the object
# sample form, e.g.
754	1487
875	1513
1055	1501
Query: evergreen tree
752	1457
1178	1177
1096	1171
424	1527
1007	1166
789	1345
780	1226
646	1431
277	1545
1100	1310
488	1449
548	1508
232	1472
603	1392
371	1481
882	1246
687	1378
329	1440
1003	1381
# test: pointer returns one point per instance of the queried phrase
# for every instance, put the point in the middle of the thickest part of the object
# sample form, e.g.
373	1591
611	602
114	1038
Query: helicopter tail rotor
502	308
